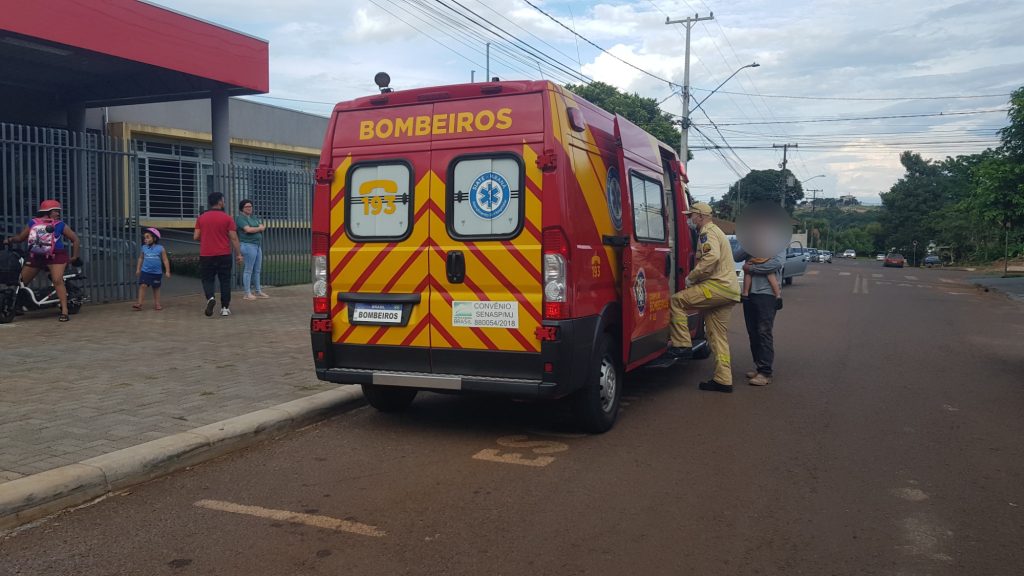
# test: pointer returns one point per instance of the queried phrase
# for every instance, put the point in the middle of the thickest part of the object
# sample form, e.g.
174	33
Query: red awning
110	52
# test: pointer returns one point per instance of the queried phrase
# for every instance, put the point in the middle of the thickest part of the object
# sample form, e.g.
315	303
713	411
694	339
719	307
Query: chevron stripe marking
501	278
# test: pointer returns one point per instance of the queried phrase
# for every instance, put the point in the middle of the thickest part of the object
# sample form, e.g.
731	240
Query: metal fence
282	198
91	177
106	190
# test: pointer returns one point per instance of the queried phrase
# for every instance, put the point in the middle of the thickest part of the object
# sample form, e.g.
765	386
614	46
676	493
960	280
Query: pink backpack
41	237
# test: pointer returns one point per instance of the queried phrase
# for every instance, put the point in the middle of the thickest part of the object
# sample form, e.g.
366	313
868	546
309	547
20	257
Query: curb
39	495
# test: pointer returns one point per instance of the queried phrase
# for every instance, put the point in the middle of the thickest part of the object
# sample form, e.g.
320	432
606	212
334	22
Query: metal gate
282	198
92	177
106	190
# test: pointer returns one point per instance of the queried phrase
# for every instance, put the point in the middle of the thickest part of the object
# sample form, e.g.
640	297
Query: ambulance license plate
365	313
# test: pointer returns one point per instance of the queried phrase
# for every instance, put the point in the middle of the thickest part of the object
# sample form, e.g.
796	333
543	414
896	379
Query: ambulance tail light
321	300
556	252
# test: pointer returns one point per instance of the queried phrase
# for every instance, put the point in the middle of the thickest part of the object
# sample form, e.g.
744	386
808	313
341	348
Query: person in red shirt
216	233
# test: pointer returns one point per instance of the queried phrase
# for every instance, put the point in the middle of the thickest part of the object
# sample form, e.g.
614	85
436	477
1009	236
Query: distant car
813	255
880	256
894	261
850	254
932	260
825	256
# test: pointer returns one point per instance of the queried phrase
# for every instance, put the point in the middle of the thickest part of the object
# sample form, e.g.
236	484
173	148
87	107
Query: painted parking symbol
489	196
523	444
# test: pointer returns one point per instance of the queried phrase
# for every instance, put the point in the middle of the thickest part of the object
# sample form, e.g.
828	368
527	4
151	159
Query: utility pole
487	75
684	148
813	196
785	149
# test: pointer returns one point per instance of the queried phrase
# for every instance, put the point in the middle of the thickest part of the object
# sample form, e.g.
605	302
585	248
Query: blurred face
148	239
54	214
763	230
247	209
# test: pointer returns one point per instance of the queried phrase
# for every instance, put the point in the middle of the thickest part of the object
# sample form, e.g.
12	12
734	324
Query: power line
456	31
860	98
446	47
857	118
524	46
588	41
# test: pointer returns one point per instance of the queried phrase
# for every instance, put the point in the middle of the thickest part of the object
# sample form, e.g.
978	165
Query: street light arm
751	65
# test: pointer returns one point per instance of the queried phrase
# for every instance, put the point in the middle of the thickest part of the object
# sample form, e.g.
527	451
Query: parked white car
850	253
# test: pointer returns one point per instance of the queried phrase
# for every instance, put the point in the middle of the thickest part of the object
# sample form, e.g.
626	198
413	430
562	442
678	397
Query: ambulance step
663	361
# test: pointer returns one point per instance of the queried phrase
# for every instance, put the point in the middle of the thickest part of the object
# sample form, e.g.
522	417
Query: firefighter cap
699	208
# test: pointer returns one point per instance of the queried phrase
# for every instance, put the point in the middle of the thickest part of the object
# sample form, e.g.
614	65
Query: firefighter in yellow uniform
711	287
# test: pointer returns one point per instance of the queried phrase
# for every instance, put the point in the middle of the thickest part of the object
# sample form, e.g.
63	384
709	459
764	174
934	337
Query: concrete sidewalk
114	381
1012	287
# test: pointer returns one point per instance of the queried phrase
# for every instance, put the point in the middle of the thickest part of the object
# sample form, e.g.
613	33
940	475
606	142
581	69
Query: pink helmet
153	231
48	205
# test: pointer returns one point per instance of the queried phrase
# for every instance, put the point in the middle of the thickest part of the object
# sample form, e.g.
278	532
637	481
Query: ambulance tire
389	398
597	404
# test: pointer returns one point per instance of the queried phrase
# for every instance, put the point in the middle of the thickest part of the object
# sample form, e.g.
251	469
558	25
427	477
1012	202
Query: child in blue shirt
151	267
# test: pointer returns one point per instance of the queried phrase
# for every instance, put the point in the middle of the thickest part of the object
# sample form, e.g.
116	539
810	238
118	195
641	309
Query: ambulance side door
647	259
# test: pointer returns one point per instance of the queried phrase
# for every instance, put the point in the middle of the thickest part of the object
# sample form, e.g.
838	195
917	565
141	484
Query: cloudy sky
829	69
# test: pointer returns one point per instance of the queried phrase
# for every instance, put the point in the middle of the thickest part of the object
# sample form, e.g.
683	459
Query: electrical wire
858	118
588	41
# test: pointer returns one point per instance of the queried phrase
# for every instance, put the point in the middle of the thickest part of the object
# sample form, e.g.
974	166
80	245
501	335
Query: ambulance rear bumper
561	367
442	382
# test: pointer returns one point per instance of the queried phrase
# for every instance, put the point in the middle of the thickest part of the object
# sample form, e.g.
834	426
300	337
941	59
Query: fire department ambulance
501	238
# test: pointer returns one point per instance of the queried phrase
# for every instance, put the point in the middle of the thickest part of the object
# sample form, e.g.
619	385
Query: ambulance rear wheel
389	398
597	404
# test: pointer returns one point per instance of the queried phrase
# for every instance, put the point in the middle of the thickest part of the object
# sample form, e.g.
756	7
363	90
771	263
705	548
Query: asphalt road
891	443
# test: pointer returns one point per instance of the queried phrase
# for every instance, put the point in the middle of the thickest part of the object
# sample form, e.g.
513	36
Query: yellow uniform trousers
716	303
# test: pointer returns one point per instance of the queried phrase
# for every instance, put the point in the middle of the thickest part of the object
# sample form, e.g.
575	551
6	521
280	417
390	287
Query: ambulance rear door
485	216
646	255
380	237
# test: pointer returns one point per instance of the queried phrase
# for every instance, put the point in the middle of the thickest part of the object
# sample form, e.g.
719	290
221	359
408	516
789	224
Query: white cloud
328	50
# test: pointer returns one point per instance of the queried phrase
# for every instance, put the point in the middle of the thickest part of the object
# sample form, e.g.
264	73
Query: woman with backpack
47	249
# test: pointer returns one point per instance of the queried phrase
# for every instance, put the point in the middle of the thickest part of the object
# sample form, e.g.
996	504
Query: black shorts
150	279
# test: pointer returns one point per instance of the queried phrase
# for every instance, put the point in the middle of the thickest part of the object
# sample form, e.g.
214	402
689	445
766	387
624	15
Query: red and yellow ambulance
502	238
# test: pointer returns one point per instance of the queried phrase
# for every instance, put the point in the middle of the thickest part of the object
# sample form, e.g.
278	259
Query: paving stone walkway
112	377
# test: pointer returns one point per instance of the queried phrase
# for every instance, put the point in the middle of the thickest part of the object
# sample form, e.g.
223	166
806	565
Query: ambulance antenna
381	79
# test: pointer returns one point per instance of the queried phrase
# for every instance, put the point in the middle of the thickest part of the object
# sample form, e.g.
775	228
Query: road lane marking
844	273
905	285
877	276
865	285
856	285
812	272
541	447
882	283
948	281
325	522
911	277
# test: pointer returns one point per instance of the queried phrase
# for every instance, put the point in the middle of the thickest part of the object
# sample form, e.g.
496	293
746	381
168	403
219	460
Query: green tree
760	185
643	112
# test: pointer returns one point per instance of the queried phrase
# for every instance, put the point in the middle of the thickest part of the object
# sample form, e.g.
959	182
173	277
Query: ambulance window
378	206
485	197
648	208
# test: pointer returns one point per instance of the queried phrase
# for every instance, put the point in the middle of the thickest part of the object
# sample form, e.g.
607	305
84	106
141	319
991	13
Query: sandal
137	307
158	307
63	318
